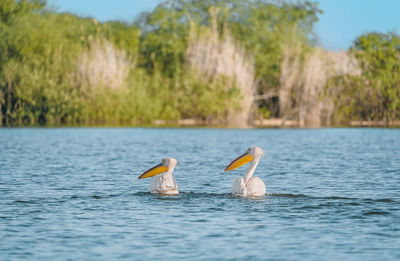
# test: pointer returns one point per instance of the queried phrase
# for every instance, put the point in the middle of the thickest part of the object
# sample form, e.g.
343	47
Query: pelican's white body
165	184
254	188
250	186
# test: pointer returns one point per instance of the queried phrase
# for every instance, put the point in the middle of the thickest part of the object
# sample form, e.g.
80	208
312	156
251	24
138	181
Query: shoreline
273	123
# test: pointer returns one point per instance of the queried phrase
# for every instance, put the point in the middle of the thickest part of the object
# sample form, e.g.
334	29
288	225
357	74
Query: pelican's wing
168	186
155	184
256	187
175	182
239	187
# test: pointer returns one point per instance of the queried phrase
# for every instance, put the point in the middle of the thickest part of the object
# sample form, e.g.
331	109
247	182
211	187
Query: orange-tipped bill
243	159
160	168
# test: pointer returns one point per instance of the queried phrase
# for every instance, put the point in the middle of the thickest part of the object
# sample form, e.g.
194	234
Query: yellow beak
160	168
243	159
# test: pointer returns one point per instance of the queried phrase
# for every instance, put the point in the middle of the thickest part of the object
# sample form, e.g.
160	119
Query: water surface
73	194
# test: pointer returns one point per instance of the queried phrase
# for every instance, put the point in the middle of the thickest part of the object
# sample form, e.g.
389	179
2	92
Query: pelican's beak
243	159
160	168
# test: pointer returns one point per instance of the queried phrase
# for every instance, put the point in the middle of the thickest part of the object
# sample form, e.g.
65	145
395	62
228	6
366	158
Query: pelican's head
165	165
251	154
256	152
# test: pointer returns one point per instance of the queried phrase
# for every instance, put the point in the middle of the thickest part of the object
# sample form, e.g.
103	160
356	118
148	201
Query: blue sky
341	23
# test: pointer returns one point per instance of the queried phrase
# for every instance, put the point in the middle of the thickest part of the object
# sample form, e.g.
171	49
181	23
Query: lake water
332	194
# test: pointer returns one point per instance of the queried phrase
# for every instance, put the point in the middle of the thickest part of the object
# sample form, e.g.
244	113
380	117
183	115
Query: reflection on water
74	194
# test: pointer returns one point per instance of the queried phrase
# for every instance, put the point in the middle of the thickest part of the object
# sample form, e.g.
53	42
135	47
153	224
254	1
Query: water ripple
74	194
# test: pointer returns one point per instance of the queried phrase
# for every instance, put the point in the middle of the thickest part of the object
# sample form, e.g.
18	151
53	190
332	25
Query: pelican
249	186
162	184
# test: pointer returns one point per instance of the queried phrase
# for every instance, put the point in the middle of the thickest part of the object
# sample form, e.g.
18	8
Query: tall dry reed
303	92
290	73
215	55
101	64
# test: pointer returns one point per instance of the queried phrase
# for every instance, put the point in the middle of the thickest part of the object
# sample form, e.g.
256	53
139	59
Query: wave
333	198
191	194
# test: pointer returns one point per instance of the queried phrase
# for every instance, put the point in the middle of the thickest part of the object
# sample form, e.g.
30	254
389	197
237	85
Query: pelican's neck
169	172
251	169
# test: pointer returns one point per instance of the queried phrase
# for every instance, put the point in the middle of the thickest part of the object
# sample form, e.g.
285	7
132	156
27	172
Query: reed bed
216	63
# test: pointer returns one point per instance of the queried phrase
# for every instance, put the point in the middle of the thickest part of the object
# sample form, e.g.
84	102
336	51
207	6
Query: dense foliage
60	69
375	94
262	27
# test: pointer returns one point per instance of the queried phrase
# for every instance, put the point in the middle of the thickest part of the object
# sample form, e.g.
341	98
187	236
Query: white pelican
249	186
162	184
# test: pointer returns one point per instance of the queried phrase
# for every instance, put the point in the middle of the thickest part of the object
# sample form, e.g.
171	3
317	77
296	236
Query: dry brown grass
215	55
103	65
290	74
303	92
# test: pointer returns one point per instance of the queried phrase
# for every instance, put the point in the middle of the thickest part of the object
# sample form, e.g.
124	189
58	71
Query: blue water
74	194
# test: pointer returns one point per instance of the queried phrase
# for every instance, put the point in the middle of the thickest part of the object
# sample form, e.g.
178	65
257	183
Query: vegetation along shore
226	63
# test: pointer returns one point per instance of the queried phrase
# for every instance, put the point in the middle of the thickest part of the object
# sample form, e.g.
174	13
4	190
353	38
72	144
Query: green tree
375	95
